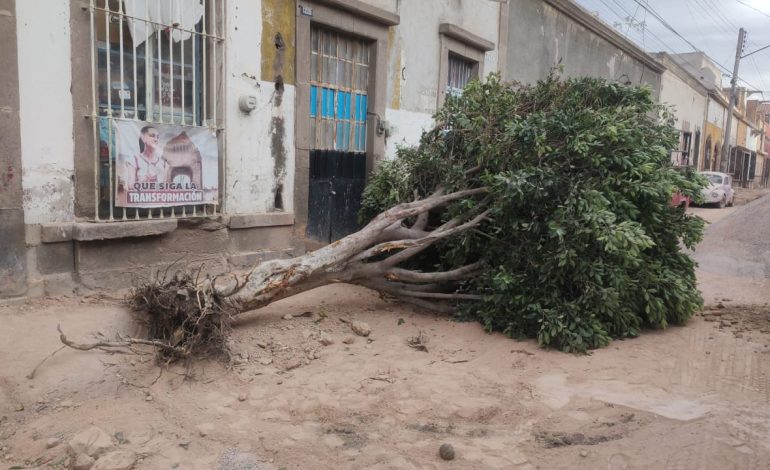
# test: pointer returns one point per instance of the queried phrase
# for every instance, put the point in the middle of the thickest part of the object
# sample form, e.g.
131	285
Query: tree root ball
185	313
446	452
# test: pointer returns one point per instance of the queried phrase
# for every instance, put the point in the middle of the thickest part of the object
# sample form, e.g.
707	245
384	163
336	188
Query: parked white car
720	189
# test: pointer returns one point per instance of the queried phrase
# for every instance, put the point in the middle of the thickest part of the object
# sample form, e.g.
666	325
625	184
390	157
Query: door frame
351	17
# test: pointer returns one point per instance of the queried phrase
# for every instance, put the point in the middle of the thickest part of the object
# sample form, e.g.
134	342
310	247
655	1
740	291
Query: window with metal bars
339	83
681	156
157	63
460	73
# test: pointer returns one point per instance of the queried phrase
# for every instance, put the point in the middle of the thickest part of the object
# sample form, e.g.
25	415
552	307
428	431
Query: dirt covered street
309	392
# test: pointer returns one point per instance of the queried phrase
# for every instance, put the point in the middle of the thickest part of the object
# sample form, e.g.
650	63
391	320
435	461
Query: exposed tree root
31	375
164	348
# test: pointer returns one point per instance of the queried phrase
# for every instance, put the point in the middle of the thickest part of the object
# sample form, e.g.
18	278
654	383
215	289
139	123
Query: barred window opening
460	74
157	75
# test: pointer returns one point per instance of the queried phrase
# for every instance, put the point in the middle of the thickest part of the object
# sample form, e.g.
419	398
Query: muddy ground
693	397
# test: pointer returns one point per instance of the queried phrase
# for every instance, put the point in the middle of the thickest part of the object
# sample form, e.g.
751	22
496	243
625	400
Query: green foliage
582	244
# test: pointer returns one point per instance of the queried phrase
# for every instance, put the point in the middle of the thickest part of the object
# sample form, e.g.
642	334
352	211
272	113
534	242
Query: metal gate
339	82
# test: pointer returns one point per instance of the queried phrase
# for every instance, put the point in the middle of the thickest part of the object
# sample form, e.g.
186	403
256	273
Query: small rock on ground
360	328
83	462
446	451
51	443
92	441
349	340
293	363
118	460
326	339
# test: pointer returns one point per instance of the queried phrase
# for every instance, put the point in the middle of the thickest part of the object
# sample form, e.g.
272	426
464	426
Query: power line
633	19
665	46
707	10
665	23
644	27
613	11
726	20
720	22
718	12
753	8
644	21
759	74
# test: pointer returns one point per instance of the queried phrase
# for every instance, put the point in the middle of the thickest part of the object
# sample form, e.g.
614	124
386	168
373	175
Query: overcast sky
711	25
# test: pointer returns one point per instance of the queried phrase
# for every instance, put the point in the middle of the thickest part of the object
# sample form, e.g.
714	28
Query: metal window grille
339	79
696	150
681	156
145	66
460	73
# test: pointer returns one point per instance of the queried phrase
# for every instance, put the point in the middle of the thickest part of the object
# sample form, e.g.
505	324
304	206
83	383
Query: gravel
235	459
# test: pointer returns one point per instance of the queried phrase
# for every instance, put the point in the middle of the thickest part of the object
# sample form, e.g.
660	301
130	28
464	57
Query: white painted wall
689	105
250	179
406	129
716	113
418	37
701	67
752	141
413	62
47	147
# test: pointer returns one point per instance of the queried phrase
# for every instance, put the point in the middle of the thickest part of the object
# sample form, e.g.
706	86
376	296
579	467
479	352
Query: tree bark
369	257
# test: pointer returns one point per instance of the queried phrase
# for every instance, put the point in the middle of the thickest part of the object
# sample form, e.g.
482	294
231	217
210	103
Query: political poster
163	165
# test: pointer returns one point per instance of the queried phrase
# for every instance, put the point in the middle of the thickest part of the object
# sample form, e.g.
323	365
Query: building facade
688	100
140	137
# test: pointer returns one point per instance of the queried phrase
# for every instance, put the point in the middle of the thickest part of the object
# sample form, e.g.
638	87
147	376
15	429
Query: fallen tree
541	211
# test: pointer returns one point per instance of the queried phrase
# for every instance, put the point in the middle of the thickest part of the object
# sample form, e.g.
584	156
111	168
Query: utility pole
731	106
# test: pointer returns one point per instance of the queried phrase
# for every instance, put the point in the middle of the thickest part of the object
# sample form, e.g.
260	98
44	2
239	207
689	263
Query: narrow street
693	397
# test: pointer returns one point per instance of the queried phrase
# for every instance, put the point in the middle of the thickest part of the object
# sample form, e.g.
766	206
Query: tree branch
465	272
427	304
448	229
439	295
412	246
399	232
411	209
393	290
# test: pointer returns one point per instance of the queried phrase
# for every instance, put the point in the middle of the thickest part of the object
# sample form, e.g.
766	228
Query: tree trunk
369	257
